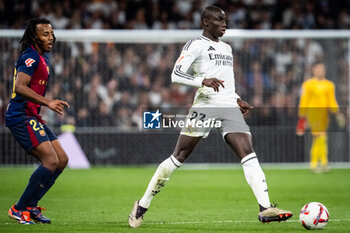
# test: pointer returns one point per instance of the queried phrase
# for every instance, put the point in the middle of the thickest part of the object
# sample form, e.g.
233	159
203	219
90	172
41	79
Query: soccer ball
314	216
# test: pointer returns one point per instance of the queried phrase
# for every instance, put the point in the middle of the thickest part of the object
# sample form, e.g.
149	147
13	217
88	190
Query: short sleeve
28	63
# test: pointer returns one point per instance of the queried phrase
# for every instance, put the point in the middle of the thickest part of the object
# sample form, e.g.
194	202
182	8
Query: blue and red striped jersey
36	66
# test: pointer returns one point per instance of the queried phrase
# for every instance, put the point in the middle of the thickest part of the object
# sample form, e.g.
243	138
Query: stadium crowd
182	14
109	85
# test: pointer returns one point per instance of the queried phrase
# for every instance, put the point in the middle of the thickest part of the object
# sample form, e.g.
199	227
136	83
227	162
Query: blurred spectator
344	19
83	119
76	20
59	21
111	96
257	79
104	117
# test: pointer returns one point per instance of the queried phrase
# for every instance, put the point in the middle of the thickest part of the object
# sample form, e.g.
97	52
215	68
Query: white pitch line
198	222
228	221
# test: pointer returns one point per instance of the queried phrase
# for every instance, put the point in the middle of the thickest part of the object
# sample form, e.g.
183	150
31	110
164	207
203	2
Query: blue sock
49	184
37	182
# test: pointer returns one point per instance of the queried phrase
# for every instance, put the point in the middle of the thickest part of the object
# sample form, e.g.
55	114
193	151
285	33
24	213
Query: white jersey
203	58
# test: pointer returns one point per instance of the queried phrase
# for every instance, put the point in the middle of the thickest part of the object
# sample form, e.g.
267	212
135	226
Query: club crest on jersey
42	133
29	62
43	82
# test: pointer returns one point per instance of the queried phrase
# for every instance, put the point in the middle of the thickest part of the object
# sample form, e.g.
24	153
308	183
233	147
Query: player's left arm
304	100
22	88
334	107
244	106
303	105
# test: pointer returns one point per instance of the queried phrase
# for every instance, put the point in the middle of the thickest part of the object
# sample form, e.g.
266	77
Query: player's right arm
22	89
303	105
179	75
213	83
304	97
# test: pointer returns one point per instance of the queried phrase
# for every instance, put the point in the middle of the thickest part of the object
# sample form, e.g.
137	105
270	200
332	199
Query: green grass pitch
214	200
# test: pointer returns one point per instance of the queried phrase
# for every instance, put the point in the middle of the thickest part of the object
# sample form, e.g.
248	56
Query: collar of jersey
206	38
37	51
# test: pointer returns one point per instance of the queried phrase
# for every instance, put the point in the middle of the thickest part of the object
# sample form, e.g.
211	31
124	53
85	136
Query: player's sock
43	191
256	179
162	175
314	153
37	183
323	150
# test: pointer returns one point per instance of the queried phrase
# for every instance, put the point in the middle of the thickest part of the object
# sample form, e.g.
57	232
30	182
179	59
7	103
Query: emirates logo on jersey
221	59
29	62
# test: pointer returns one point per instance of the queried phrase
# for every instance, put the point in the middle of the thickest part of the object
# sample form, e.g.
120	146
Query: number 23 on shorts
36	125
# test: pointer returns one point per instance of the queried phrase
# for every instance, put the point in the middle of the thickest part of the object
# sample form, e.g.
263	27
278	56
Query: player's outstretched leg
257	181
162	174
255	176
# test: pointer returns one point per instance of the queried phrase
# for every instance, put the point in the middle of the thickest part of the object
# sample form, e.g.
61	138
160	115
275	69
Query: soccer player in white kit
207	63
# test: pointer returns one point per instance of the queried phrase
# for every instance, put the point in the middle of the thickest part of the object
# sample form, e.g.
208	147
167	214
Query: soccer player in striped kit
207	63
31	78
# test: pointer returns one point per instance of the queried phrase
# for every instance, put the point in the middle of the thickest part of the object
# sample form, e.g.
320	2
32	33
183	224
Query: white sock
162	175
256	179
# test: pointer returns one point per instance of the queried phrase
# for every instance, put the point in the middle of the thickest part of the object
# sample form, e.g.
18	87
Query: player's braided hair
29	35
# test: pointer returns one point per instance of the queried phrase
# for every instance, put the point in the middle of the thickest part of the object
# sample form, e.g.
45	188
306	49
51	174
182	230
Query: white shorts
226	119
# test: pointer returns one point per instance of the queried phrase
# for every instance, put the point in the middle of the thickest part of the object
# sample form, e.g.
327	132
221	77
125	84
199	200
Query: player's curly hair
29	35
